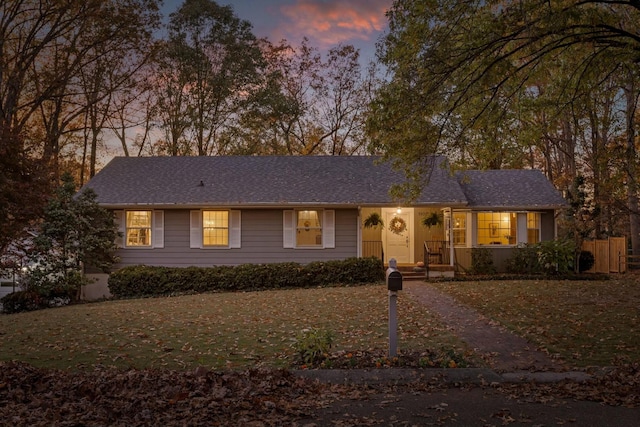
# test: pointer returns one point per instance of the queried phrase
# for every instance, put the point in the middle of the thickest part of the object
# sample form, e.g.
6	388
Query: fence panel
617	250
602	256
607	255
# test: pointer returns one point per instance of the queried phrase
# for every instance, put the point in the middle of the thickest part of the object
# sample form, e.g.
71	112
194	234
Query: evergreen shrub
19	301
140	281
586	261
482	261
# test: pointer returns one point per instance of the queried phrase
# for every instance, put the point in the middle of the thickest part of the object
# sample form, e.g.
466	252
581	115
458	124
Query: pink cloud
330	22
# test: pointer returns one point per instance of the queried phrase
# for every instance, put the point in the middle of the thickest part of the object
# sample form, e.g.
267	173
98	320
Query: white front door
398	233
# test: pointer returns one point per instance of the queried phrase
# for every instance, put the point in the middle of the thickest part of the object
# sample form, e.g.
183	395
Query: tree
75	233
23	185
210	63
306	104
459	70
45	46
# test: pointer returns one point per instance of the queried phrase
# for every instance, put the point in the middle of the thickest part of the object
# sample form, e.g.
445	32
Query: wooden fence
609	255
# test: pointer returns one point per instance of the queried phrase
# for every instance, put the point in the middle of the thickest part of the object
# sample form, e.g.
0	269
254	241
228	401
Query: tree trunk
632	184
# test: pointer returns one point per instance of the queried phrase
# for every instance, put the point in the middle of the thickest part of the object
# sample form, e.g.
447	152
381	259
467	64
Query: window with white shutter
308	228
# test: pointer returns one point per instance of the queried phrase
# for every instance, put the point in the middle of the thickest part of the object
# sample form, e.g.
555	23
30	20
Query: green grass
233	330
585	322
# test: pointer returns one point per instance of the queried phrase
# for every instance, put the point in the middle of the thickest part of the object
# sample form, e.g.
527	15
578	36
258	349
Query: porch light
399	211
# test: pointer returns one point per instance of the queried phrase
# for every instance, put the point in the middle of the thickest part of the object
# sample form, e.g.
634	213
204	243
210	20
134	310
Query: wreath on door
397	225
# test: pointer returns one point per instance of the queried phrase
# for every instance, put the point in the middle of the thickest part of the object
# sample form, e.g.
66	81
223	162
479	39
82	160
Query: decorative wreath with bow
397	225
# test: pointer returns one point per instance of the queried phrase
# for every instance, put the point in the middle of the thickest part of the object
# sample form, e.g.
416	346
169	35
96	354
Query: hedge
19	301
140	281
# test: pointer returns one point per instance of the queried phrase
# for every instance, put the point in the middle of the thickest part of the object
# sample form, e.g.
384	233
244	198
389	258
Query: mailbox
394	279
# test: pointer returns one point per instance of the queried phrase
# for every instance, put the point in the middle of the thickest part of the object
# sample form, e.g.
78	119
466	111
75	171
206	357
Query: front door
398	232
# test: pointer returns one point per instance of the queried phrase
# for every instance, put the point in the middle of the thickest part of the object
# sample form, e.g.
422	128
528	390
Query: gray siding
261	242
500	255
547	225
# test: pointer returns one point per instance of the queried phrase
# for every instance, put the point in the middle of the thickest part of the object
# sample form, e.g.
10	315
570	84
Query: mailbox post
394	284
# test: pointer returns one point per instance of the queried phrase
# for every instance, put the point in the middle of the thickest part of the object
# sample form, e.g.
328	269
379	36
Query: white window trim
195	230
522	229
469	229
328	229
157	229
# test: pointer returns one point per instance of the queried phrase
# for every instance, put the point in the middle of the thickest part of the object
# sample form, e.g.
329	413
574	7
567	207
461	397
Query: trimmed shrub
585	261
19	301
553	257
556	256
482	261
524	260
140	281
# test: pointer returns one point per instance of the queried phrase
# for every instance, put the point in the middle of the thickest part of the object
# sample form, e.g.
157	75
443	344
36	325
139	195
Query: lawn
585	322
234	330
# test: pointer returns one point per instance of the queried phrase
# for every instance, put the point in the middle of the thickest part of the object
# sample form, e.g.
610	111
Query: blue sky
326	23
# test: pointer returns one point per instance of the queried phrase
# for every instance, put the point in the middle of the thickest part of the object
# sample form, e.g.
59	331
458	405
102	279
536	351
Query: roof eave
277	205
517	207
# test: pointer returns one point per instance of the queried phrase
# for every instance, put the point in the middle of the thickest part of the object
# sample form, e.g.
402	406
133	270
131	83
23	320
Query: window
215	228
459	228
138	228
533	227
309	228
497	228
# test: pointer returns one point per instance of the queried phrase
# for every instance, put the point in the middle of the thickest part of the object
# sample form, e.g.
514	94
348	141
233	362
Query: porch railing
437	252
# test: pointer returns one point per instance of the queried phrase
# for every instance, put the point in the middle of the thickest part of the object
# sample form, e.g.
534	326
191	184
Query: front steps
409	273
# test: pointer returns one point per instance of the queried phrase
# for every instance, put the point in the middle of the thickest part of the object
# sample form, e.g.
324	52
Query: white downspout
451	248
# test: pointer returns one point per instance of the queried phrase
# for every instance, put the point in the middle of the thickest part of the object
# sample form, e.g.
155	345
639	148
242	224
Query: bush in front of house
140	281
19	301
524	260
552	258
586	261
482	261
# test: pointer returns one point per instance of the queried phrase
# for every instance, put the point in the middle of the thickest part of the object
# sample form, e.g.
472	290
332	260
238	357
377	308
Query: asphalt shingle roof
260	181
509	188
305	180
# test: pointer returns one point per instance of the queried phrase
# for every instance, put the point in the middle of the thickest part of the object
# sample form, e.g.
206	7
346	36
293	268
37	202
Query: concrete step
410	273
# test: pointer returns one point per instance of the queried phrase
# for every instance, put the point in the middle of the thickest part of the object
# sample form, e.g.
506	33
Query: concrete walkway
503	350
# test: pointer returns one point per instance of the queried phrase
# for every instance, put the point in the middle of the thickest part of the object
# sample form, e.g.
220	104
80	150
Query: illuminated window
215	228
459	228
497	228
308	228
533	227
138	228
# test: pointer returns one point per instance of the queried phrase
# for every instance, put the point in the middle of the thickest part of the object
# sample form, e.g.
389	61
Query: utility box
394	277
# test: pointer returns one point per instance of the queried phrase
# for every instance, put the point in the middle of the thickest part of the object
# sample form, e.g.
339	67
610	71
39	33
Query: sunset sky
325	23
